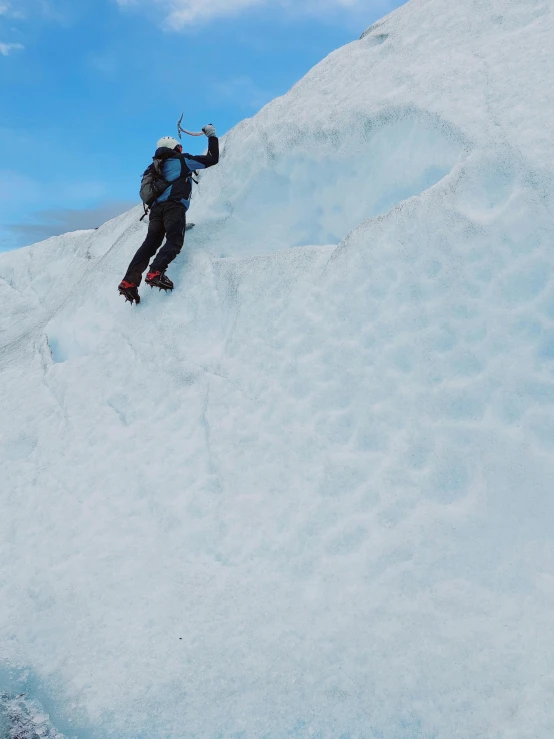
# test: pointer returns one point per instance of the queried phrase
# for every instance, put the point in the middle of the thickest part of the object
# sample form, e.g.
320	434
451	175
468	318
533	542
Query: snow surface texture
310	493
21	718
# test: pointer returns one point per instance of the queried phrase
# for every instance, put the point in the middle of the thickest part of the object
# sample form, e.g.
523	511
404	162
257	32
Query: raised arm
203	161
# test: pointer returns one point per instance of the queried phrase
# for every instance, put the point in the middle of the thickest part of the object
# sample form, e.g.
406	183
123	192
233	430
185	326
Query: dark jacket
178	168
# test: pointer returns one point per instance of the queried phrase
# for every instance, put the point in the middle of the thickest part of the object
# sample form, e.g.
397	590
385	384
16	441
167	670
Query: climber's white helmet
169	142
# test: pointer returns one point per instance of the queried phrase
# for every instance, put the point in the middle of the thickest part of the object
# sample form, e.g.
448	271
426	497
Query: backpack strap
143	216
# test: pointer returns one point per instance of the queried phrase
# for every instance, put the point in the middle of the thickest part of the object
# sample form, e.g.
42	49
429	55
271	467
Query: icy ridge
308	493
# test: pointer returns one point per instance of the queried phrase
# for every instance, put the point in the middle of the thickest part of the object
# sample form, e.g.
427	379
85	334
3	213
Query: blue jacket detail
178	169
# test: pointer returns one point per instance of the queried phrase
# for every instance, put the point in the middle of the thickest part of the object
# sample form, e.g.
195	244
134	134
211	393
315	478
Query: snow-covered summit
310	492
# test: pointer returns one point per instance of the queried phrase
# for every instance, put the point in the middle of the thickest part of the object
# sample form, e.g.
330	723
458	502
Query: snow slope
310	493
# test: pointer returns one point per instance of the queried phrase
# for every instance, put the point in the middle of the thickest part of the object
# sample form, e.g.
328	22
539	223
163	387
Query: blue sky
88	86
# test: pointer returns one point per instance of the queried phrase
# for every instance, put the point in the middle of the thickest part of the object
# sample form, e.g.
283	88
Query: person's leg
149	247
174	221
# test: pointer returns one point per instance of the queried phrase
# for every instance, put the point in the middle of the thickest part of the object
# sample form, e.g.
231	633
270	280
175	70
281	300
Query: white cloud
186	12
181	13
26	9
6	9
6	49
55	13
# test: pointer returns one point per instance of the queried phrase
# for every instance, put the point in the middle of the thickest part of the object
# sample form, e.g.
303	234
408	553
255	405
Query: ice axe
181	130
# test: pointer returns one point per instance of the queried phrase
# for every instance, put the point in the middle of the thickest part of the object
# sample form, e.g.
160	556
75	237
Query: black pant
167	219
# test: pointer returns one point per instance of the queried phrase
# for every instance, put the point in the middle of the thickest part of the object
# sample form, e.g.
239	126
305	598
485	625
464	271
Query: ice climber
167	213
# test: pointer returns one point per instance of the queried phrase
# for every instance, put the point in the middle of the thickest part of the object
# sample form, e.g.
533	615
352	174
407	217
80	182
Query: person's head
168	142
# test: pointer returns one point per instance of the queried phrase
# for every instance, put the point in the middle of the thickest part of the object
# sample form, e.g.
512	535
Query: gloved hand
209	130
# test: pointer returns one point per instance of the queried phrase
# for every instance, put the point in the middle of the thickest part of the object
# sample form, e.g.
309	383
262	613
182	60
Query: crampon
155	278
129	291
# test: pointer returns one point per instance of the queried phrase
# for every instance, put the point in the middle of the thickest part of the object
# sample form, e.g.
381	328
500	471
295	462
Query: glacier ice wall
24	718
310	492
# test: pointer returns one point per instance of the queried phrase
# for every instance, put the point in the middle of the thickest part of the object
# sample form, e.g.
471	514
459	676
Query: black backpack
153	183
